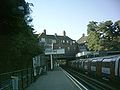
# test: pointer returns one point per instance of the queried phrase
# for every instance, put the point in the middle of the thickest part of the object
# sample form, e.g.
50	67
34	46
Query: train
107	67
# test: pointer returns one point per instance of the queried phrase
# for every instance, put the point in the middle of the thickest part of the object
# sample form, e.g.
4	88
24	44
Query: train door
86	65
89	65
99	67
93	66
112	69
82	64
106	68
79	64
119	68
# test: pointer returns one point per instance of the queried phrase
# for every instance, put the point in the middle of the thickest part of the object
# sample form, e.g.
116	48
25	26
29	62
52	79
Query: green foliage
103	36
18	43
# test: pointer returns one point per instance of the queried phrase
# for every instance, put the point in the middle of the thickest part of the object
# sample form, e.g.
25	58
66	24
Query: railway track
75	81
90	83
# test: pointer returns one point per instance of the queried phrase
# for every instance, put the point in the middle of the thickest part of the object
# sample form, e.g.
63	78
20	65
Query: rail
90	83
75	81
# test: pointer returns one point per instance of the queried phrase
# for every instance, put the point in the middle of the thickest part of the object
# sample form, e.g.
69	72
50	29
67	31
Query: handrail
14	71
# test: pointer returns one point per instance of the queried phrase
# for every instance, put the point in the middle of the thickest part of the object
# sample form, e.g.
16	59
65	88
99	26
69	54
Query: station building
58	47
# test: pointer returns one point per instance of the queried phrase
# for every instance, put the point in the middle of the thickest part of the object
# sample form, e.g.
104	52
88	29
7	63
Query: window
84	41
43	39
93	64
63	41
74	48
67	41
73	41
59	47
53	41
106	64
68	48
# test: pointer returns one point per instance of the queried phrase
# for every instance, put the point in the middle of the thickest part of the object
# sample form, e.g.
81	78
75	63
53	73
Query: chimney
44	31
83	35
64	33
55	34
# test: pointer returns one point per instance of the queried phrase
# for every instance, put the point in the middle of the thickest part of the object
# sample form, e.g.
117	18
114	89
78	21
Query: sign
55	51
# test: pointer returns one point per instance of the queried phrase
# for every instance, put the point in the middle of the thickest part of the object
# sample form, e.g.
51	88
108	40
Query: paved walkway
54	80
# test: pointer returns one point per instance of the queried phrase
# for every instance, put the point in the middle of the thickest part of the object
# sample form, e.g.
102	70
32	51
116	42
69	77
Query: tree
103	36
18	43
93	36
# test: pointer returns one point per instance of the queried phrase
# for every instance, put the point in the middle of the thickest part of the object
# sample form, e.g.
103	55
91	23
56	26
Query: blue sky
72	16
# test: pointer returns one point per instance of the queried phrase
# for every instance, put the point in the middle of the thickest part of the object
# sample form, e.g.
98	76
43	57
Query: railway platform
53	80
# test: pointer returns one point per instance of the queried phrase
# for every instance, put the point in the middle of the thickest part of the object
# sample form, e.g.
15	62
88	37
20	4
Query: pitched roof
50	36
37	35
82	40
57	37
64	37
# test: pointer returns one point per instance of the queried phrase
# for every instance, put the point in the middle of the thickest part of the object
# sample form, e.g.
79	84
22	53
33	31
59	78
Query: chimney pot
45	31
55	34
83	35
64	33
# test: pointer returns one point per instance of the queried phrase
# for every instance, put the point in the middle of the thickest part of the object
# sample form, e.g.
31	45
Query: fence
17	80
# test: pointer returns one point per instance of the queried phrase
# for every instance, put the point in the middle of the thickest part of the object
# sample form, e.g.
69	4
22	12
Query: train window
109	62
106	64
93	64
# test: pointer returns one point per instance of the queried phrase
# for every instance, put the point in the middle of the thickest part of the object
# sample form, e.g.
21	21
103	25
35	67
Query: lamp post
51	58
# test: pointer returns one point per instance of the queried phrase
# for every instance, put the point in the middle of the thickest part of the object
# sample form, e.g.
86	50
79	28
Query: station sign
54	51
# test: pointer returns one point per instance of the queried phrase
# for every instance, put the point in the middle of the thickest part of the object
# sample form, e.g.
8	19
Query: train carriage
110	67
105	67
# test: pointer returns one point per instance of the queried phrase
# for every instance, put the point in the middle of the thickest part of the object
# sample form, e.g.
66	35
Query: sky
73	16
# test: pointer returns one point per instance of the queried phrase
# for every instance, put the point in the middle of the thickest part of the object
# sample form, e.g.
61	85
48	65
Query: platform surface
53	80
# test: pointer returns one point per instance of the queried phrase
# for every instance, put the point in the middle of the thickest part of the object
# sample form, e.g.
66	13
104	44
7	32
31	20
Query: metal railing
17	80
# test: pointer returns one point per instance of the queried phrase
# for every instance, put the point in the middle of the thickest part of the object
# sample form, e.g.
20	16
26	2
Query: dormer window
73	41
